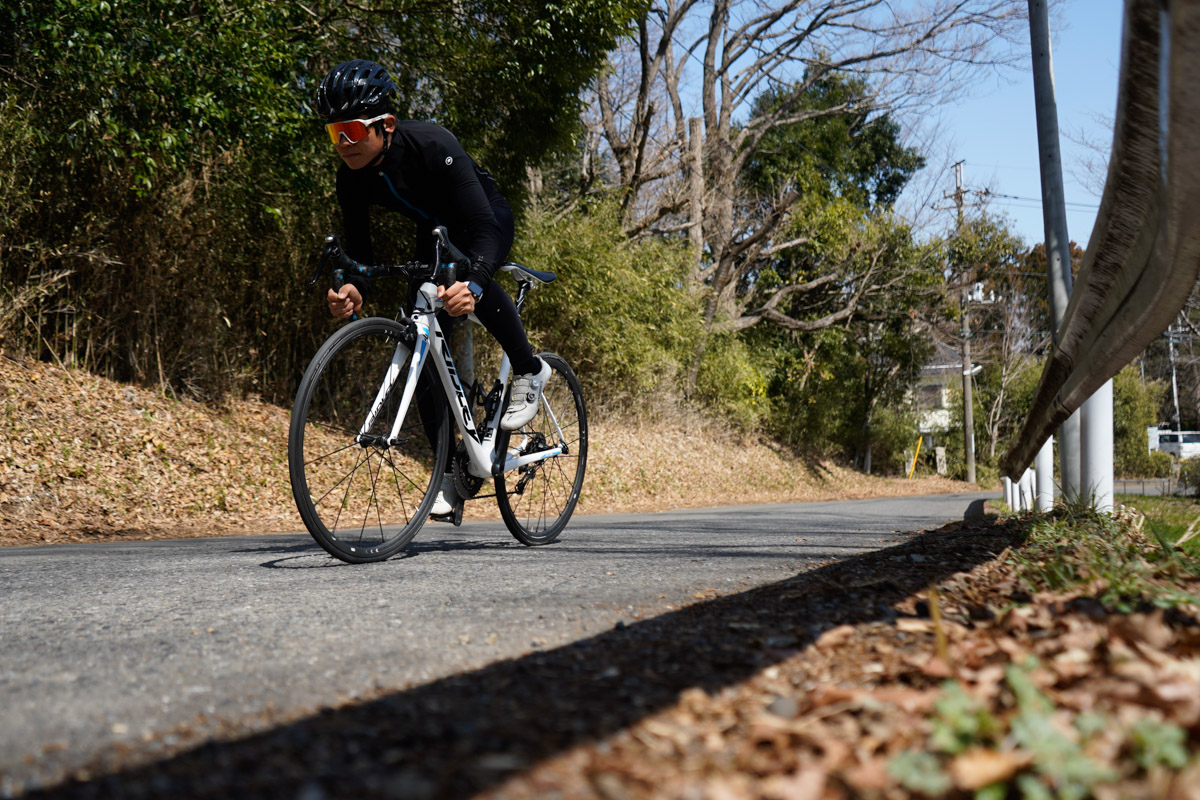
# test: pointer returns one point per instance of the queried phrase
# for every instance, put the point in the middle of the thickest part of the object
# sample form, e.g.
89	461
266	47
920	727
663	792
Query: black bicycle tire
512	519
356	554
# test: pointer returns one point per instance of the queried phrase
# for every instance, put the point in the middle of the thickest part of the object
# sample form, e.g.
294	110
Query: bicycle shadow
311	556
466	733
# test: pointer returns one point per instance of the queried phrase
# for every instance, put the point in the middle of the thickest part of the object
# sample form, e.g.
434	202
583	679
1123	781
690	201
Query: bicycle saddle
527	273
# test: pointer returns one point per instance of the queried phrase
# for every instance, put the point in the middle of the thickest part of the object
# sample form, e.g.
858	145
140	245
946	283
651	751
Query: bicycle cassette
466	484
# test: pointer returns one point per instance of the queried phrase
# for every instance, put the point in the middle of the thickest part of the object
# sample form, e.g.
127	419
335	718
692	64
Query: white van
1181	444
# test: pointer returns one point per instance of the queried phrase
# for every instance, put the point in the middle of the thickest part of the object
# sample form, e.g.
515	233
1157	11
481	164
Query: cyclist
420	170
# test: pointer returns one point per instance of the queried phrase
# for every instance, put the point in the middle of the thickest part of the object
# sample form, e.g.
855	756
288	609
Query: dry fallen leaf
1186	785
979	767
833	637
808	784
1148	628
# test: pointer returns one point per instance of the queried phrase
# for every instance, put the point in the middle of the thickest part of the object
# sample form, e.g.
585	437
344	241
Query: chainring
466	484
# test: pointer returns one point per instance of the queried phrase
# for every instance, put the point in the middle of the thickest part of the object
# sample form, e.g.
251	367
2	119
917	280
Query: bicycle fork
419	340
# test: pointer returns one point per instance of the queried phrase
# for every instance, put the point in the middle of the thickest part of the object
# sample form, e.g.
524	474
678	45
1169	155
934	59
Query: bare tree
1090	169
695	70
1012	350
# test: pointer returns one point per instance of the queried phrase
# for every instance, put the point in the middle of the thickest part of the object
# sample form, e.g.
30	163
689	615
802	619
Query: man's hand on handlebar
346	301
457	300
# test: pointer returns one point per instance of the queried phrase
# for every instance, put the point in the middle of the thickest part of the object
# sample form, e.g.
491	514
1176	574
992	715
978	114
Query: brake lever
332	248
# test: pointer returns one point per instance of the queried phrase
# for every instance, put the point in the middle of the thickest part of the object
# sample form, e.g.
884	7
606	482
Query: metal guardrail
1144	255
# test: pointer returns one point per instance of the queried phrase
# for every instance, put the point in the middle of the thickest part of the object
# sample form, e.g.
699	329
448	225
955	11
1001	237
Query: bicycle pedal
444	518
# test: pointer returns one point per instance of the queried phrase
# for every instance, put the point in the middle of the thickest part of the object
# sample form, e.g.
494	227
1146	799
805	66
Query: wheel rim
364	494
540	498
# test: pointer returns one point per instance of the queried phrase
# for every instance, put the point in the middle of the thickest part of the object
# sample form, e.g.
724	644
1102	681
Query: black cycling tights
498	314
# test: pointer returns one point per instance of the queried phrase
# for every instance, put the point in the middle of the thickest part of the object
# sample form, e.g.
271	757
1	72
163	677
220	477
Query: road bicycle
370	435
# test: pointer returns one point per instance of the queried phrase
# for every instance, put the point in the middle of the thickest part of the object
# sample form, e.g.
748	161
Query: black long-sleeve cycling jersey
427	176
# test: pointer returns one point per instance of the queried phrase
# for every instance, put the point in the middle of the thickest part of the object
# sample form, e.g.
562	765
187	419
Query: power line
989	193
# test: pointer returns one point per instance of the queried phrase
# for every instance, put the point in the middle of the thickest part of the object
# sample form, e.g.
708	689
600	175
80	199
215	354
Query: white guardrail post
1045	476
1096	448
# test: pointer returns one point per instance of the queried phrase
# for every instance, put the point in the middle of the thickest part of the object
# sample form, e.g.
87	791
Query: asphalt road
115	644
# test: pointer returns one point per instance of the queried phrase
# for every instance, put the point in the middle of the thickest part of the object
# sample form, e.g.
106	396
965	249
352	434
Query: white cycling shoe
443	504
524	399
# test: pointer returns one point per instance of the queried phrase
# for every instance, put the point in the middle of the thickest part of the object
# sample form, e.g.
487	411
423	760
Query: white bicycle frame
480	446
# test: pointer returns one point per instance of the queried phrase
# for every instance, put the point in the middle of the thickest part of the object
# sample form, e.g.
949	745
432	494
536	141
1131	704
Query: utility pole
1054	220
1174	383
959	197
696	187
959	194
968	400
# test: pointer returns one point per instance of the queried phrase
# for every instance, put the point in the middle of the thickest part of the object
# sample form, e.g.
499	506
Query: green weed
1074	545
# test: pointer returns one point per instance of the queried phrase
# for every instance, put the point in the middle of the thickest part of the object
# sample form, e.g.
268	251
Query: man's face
362	152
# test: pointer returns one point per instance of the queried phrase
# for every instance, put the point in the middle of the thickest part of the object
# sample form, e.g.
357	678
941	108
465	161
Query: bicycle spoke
348	476
331	454
374	501
349	482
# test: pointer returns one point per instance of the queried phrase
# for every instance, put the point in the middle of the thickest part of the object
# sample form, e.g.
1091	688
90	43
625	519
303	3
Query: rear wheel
361	496
537	500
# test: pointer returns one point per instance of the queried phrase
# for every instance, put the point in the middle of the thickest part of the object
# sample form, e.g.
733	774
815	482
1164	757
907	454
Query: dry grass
83	458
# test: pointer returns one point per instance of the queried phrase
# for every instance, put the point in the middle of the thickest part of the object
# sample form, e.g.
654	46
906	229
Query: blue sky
994	129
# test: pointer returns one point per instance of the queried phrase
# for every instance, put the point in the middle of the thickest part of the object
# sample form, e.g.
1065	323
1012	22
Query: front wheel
362	494
537	500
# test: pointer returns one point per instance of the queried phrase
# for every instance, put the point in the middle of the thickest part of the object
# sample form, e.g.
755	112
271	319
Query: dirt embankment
83	459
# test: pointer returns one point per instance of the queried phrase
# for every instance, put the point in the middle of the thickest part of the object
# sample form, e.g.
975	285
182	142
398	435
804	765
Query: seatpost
522	290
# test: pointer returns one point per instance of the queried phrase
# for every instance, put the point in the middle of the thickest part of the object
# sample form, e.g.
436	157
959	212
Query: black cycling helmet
353	88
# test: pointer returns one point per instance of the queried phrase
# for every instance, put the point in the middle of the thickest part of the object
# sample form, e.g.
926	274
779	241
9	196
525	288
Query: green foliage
1135	408
986	250
919	771
826	390
732	384
827	387
1189	475
1003	394
835	390
1075	545
1173	518
1034	265
1063	769
810	396
503	75
893	431
1159	743
144	88
1061	766
962	721
853	156
617	312
1161	464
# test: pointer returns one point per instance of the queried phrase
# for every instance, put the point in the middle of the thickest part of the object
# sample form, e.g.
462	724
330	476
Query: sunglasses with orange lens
355	130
